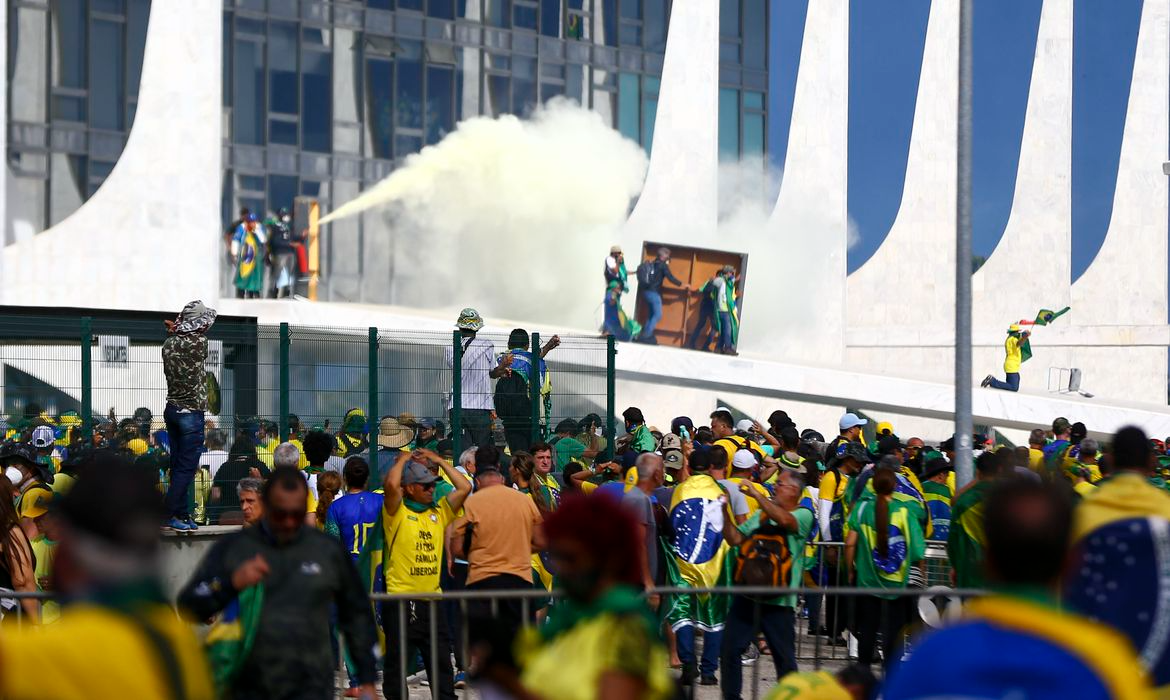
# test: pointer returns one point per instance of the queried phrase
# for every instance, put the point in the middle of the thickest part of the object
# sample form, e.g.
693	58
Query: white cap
850	420
746	425
43	436
743	459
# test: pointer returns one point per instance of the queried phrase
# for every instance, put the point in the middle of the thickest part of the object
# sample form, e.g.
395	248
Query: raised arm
392	486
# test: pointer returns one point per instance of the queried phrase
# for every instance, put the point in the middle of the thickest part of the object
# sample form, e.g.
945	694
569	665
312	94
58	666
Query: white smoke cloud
508	214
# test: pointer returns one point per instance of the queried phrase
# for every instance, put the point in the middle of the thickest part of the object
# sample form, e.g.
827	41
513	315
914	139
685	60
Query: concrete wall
181	554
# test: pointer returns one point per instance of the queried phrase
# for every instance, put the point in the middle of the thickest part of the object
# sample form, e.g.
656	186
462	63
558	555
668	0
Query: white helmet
43	436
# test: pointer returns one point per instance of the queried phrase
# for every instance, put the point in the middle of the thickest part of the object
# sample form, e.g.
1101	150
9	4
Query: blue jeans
685	636
725	342
703	330
185	429
744	621
654	301
613	322
1012	383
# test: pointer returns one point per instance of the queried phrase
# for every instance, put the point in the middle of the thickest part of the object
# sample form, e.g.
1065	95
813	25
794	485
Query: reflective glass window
137	14
282	68
282	131
629	123
728	123
317	100
282	189
523	85
406	145
631	9
729	52
107	98
524	16
498	13
755	34
440	103
550	90
753	134
69	43
443	9
409	91
607	22
550	17
650	86
630	34
654	21
248	93
729	18
753	100
380	4
410	5
498	99
576	77
380	106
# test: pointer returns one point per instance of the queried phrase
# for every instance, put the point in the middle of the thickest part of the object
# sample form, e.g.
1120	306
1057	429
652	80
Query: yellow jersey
92	652
812	685
414	542
1014	358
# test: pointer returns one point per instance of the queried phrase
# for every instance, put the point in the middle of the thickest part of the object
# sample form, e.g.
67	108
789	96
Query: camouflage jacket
183	357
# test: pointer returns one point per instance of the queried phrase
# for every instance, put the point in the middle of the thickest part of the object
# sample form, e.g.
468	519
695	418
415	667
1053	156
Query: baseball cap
670	441
615	250
743	459
1061	425
672	459
36	502
43	436
416	473
426	423
680	422
884	427
747	425
851	420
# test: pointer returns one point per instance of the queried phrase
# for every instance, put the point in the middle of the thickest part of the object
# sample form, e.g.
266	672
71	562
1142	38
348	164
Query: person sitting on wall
1014	347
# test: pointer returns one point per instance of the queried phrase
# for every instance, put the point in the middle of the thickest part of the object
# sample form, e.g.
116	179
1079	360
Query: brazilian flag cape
712	293
966	539
370	567
1120	570
699	554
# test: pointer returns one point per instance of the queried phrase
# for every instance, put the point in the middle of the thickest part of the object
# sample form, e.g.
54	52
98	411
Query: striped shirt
479	359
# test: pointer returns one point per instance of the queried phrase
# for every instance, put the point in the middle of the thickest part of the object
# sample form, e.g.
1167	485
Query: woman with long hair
328	486
885	540
17	564
523	472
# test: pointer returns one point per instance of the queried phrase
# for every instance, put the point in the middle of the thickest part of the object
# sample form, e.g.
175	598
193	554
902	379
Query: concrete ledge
182	552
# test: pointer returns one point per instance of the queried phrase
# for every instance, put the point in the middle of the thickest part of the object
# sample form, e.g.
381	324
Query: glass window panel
379	4
251	183
498	61
753	134
69	53
409	91
312	188
498	13
111	6
251	26
728	123
550	17
729	18
407	145
753	100
107	98
248	93
380	106
631	9
443	9
629	123
282	132
314	36
523	67
70	109
282	189
282	68
523	92
575	79
552	70
550	90
440	103
68	186
728	52
607	23
317	96
410	5
654	25
524	17
499	95
755	34
137	14
225	63
630	35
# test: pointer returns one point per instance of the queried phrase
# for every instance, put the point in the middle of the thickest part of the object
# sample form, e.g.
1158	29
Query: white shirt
213	460
479	359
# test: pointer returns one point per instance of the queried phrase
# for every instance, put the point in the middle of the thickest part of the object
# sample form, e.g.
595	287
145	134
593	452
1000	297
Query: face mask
597	431
14	475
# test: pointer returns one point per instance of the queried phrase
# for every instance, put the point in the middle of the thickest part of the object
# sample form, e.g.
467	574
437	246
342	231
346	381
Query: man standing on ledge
1014	347
652	274
183	354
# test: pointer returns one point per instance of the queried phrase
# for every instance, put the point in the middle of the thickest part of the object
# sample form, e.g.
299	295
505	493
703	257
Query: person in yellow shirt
854	682
1037	441
120	638
1013	347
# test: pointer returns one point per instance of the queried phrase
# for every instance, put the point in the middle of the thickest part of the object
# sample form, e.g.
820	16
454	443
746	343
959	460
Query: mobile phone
684	433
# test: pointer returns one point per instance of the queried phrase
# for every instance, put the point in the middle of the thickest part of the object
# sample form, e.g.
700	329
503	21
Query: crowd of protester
580	553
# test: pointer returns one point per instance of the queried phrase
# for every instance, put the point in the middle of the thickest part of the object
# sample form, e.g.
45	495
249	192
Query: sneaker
986	381
178	525
689	674
191	524
460	680
708	680
749	656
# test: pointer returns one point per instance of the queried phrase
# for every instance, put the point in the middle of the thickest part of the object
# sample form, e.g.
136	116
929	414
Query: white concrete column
150	237
809	223
892	288
1031	267
681	189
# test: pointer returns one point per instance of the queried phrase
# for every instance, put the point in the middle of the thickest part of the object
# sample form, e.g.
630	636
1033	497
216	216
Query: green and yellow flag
1047	316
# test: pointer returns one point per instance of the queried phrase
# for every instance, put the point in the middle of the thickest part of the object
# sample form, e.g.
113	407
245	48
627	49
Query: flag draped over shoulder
370	568
699	555
229	641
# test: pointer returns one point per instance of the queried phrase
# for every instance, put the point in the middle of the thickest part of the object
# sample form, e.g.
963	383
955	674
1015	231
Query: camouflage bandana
194	318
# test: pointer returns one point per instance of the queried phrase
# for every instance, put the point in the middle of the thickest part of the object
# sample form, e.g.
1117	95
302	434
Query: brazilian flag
1047	316
370	568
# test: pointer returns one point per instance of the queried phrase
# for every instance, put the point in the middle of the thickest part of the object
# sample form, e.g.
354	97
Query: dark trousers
1012	383
518	434
745	621
416	637
704	329
492	632
890	617
477	427
456	581
186	433
709	664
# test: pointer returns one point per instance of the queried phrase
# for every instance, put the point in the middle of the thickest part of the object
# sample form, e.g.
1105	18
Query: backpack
512	398
764	559
646	274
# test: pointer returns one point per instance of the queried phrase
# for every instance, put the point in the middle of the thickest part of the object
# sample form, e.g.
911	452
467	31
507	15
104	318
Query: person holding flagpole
1014	346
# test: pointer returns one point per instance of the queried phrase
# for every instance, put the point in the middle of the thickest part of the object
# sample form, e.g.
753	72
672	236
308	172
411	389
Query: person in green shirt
640	438
776	616
566	447
966	541
885	540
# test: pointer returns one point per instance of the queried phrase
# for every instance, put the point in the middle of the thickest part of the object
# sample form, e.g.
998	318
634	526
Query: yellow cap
1014	327
884	427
